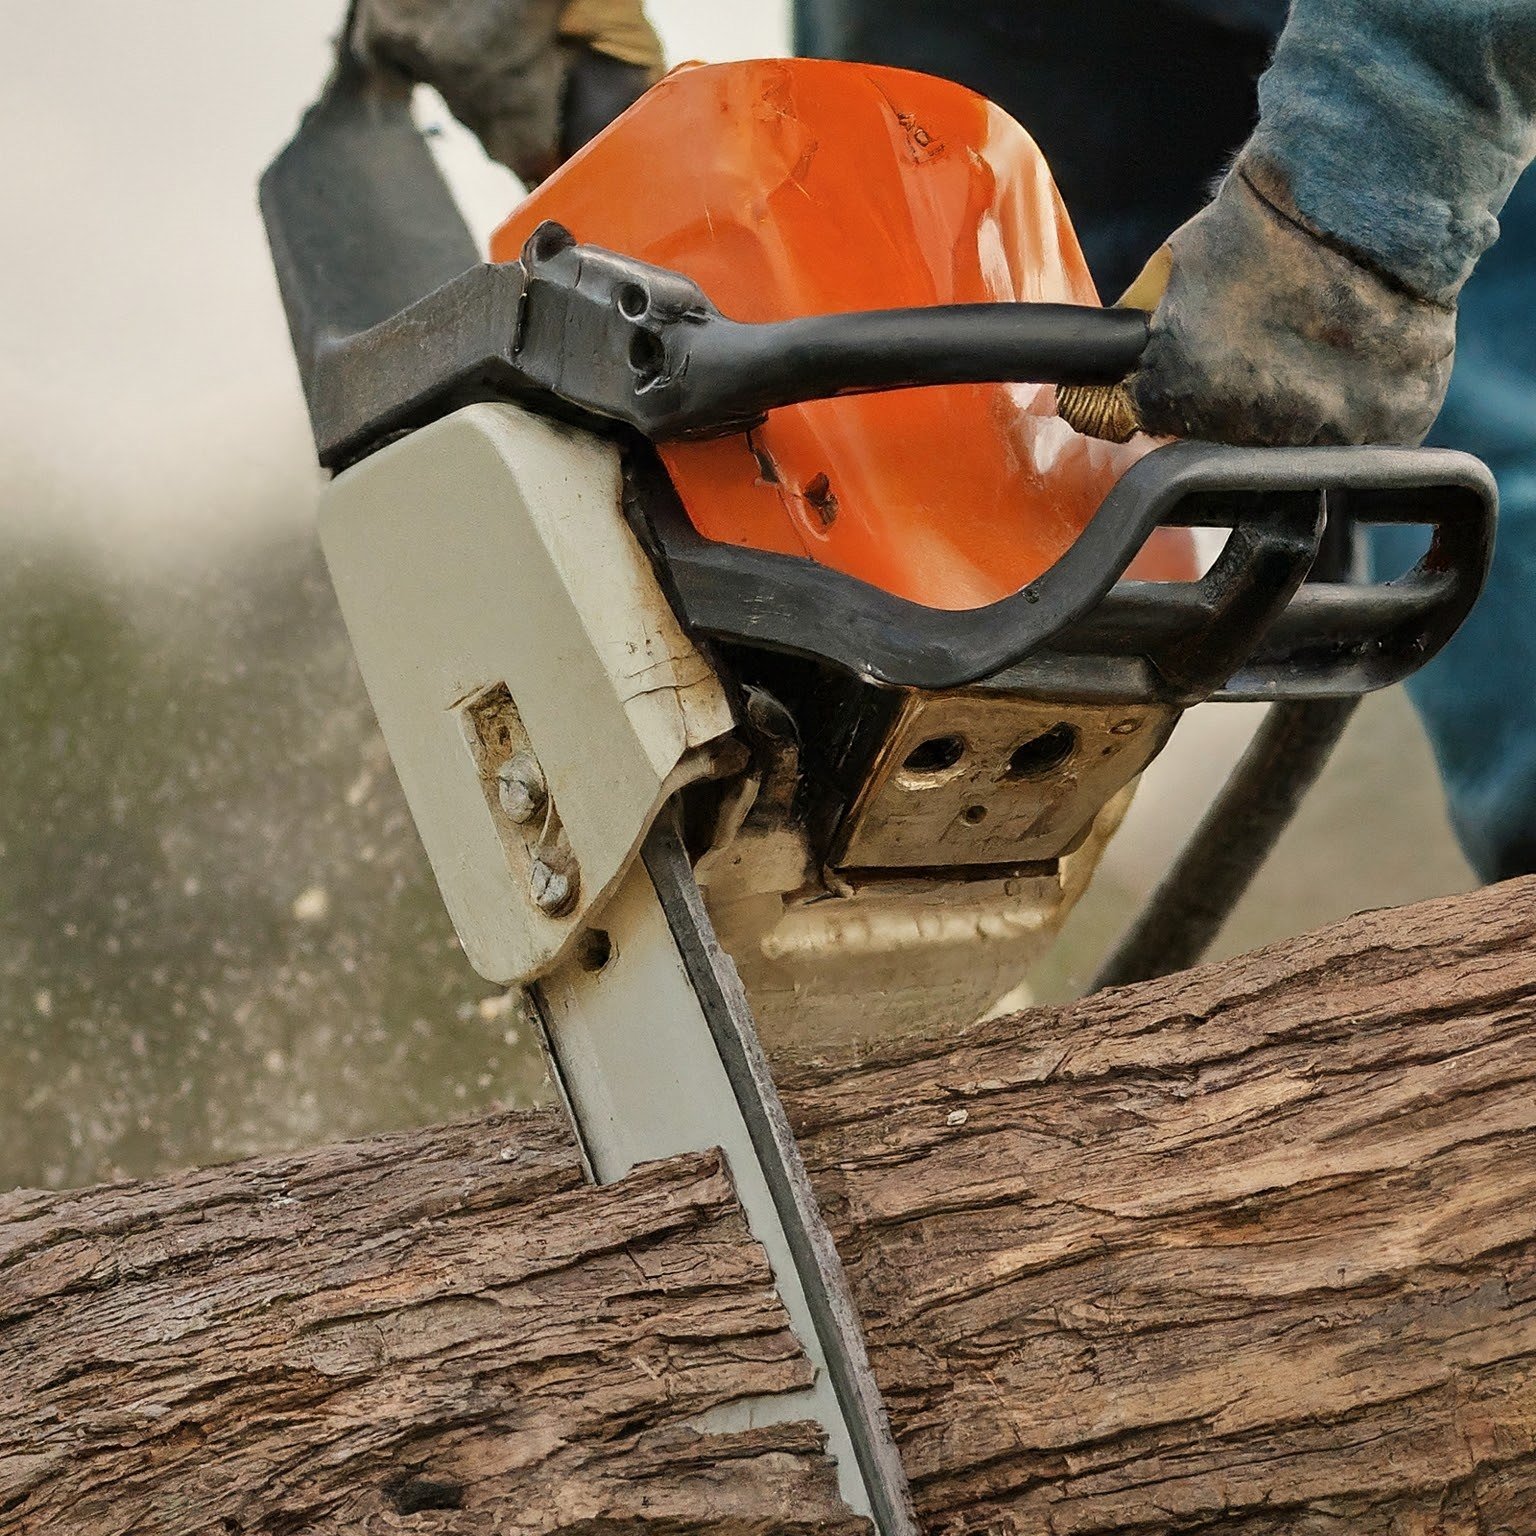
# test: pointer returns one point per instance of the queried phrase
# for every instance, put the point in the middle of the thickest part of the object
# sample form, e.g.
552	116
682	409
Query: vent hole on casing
632	300
1040	754
594	949
935	755
647	358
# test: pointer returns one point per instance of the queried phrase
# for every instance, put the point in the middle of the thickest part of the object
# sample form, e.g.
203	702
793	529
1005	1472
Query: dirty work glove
1265	330
534	79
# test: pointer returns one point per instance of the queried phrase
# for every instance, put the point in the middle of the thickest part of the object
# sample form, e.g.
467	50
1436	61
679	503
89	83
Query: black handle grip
735	371
646	346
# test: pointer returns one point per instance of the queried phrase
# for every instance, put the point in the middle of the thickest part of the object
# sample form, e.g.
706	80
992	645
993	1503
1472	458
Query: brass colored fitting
1098	410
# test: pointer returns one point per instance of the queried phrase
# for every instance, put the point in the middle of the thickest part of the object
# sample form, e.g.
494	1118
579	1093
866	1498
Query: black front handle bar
609	340
1256	626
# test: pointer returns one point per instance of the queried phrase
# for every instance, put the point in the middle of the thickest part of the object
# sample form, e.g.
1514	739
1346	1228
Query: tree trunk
1250	1250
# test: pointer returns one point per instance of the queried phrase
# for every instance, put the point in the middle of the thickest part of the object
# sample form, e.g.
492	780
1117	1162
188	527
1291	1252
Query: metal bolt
553	891
520	787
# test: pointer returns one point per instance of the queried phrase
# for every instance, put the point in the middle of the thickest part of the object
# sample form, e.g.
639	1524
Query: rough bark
1250	1250
441	1332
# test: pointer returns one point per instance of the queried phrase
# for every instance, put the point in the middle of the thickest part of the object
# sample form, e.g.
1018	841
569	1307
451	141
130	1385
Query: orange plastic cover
789	187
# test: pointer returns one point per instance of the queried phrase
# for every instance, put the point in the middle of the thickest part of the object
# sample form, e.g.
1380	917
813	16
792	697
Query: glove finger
497	63
618	29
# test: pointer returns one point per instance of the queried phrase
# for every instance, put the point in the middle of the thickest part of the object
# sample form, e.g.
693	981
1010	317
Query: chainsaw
763	659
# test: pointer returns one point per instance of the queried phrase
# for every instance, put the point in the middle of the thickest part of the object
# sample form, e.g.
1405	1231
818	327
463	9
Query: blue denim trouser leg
1137	104
1478	697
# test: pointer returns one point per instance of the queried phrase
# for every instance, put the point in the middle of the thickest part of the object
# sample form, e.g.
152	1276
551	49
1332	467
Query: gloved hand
1264	330
534	79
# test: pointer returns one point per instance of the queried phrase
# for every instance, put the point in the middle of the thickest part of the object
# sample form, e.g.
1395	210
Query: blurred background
217	931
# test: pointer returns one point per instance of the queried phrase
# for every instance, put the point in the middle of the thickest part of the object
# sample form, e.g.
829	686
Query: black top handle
395	319
645	346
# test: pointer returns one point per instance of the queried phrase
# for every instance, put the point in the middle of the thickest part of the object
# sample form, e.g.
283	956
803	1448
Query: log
435	1332
1249	1250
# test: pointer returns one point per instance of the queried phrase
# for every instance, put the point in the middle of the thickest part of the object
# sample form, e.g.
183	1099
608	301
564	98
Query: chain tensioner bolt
553	891
520	787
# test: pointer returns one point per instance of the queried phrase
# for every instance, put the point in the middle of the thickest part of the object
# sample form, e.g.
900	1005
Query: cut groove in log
1250	1250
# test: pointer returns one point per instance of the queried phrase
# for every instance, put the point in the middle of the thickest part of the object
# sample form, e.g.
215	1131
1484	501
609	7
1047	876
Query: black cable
745	370
1229	847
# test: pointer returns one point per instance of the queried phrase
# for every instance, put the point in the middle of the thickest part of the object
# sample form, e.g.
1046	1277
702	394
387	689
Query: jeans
1138	110
1477	698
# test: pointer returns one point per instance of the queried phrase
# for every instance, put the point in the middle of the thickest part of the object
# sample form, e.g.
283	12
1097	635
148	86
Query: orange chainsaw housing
789	187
